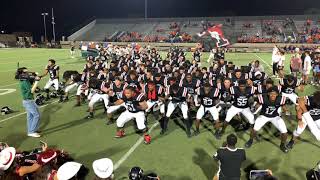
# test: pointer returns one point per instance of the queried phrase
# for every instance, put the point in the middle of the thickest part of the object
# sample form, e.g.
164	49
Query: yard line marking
133	148
263	61
8	85
4	120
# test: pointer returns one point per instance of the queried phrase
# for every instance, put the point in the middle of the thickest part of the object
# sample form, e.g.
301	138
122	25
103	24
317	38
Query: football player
177	98
237	76
115	93
191	84
53	70
209	98
100	90
288	87
241	95
135	104
270	105
155	97
308	113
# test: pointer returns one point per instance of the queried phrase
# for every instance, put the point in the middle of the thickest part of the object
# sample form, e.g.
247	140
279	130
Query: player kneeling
135	104
270	105
209	100
308	112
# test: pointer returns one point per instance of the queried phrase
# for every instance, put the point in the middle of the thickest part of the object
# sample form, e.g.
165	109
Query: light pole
145	9
44	24
53	28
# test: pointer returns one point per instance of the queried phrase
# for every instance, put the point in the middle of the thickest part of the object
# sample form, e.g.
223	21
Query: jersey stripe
260	98
216	92
140	96
283	100
184	94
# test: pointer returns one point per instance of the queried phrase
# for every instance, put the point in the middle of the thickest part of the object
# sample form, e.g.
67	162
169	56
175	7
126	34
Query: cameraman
28	84
230	159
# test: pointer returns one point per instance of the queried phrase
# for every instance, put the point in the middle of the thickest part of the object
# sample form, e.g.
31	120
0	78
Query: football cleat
249	143
90	116
197	132
120	134
284	148
218	134
147	139
290	144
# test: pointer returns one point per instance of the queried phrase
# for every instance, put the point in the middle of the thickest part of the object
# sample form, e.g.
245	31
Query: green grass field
173	156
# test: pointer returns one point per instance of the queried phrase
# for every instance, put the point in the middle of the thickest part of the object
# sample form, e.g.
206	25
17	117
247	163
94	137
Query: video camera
22	75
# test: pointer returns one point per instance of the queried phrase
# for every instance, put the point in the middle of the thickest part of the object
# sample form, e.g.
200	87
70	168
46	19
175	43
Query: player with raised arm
269	106
308	113
209	97
135	104
241	95
53	70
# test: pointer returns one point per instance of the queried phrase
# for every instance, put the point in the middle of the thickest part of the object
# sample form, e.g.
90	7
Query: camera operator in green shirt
28	82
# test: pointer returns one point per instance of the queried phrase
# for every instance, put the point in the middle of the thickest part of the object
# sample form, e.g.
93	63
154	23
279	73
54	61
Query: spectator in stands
230	159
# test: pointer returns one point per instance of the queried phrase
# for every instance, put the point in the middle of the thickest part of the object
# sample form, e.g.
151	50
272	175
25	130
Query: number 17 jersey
271	109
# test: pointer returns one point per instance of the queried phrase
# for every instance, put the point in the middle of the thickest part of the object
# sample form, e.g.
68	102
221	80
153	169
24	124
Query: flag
216	33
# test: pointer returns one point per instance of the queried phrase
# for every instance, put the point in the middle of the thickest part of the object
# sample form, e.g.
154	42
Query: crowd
52	164
136	82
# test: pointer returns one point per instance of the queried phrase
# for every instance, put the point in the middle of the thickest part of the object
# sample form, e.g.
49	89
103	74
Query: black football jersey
235	80
241	99
118	91
178	97
133	82
271	109
262	89
98	66
313	108
225	94
211	99
287	88
257	81
191	86
132	104
102	76
53	71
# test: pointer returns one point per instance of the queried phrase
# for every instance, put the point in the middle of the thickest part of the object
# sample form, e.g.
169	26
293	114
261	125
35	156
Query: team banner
216	33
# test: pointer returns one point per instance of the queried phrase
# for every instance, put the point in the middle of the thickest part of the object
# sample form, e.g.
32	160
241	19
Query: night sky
25	15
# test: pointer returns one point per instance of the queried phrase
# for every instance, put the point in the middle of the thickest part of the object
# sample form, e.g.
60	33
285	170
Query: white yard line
17	115
264	61
8	85
133	148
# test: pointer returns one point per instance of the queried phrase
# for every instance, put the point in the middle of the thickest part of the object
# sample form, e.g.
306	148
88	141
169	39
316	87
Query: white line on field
4	120
263	61
133	148
8	85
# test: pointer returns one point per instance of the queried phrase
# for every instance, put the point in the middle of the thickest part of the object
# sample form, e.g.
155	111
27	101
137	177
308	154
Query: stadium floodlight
53	27
44	24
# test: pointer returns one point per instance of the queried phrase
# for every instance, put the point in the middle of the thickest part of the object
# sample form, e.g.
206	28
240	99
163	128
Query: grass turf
173	156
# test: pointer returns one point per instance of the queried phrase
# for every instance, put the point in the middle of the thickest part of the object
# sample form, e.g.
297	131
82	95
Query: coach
230	159
26	79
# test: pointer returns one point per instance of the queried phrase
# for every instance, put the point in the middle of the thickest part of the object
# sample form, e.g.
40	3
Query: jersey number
270	110
242	101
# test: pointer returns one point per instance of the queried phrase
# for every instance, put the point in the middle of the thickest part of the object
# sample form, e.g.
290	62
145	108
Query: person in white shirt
306	67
